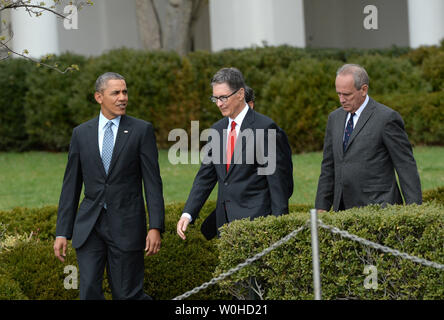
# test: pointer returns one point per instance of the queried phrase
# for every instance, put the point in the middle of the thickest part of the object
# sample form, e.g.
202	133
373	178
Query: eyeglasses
222	99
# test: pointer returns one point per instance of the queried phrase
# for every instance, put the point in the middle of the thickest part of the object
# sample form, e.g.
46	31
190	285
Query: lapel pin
126	131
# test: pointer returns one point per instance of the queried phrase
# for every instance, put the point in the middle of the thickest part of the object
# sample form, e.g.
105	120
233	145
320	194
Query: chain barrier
382	248
288	237
243	264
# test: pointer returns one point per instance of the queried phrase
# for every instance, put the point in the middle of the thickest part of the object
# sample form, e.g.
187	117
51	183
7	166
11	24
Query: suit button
226	183
100	203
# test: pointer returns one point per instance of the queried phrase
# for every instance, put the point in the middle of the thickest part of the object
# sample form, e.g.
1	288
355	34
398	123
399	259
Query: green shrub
48	120
418	55
422	114
31	271
12	105
158	89
299	100
391	75
433	69
10	289
40	221
286	272
293	86
434	195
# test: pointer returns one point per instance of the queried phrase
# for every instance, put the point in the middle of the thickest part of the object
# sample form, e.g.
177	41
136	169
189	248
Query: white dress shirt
357	113
102	123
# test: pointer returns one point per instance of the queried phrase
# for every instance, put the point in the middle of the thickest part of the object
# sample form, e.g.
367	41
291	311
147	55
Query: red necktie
231	142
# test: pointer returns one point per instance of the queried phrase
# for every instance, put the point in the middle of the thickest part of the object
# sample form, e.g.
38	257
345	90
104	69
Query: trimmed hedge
423	115
286	272
48	119
12	105
30	270
39	107
434	195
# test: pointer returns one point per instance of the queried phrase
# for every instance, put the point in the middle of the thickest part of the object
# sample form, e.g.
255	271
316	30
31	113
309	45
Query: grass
34	179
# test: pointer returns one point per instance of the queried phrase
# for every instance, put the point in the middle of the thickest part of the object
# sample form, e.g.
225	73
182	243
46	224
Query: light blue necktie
107	146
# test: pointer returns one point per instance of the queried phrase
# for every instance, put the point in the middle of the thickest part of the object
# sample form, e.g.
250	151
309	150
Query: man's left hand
153	242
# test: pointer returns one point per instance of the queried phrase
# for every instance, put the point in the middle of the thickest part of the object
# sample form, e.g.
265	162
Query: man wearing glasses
245	189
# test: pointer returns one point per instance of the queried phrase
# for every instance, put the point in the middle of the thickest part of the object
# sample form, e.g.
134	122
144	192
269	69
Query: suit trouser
125	269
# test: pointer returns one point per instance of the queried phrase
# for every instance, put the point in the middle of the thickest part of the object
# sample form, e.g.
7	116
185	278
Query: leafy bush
158	88
48	120
293	86
31	271
391	75
434	195
299	100
422	114
12	104
433	69
286	272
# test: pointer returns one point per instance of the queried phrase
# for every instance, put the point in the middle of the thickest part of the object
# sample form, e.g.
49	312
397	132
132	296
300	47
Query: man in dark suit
111	155
208	227
365	142
247	189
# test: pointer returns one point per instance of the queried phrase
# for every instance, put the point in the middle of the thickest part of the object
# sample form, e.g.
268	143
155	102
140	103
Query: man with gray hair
243	192
111	156
365	142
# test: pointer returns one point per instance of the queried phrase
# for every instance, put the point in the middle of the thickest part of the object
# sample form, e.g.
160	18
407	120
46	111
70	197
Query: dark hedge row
39	107
286	272
29	270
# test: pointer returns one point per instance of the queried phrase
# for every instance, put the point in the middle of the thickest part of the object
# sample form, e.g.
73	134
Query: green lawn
34	179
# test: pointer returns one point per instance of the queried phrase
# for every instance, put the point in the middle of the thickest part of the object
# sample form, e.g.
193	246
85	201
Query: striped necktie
348	130
107	146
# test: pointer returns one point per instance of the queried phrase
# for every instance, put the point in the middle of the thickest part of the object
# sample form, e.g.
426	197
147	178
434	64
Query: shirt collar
240	117
361	108
103	121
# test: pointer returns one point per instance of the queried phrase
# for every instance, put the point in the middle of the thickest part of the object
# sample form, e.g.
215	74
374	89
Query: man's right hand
60	244
321	210
182	227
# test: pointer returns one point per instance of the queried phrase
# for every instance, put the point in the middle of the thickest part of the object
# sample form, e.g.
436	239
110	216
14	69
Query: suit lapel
122	137
222	129
338	134
363	118
93	139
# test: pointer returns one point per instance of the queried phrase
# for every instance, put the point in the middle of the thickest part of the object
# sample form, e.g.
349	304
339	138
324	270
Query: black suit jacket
365	173
134	159
242	191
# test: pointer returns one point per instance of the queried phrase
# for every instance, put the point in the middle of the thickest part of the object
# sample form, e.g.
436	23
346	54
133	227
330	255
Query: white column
245	23
36	34
426	22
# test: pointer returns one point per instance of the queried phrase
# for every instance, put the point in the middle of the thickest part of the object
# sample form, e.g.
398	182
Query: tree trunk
178	26
149	24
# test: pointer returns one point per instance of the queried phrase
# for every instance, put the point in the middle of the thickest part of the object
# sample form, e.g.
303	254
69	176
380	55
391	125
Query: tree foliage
34	9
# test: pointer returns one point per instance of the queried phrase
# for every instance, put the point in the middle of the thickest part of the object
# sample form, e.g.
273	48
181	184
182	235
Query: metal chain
377	246
285	239
243	264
